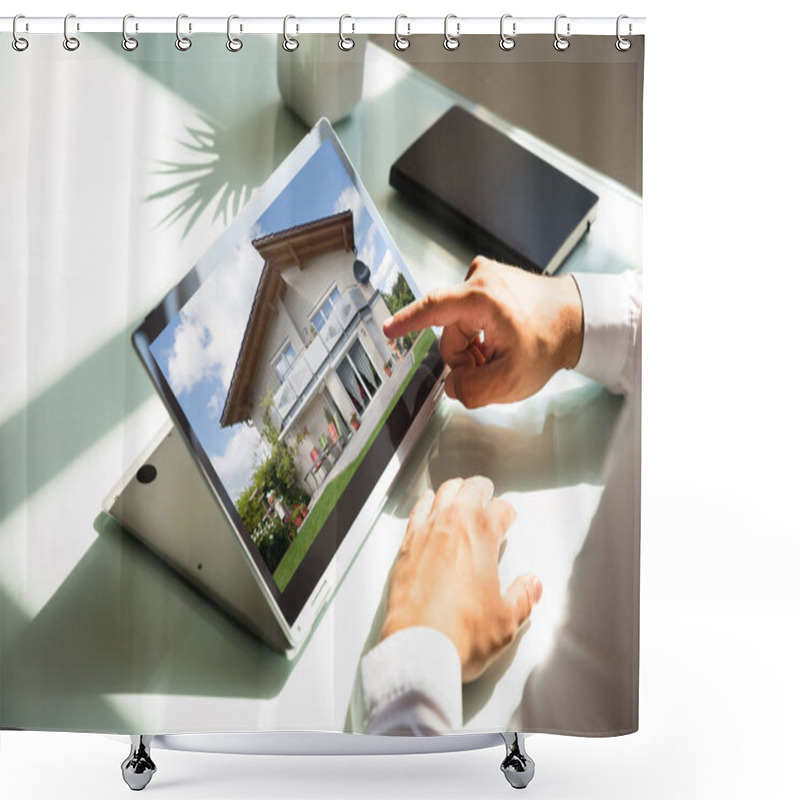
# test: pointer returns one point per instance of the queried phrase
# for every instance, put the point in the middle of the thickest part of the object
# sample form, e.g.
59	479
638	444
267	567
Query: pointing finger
447	305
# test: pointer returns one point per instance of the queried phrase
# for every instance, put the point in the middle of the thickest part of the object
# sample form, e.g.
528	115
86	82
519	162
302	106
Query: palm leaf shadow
225	165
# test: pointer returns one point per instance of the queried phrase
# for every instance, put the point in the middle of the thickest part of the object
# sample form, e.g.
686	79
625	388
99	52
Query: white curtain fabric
119	173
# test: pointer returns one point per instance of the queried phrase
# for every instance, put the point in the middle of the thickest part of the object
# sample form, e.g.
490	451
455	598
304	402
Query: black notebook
508	203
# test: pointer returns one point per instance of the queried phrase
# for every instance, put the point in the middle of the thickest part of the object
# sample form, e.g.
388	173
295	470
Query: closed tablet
507	202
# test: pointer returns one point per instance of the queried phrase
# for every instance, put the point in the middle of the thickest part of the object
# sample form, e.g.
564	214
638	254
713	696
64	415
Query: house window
325	309
284	360
358	376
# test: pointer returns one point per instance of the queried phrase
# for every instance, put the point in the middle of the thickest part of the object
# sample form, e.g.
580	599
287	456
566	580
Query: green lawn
333	491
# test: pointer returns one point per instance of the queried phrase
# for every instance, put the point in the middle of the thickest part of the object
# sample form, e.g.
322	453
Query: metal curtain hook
345	43
181	42
233	44
128	42
400	42
290	44
560	42
18	42
451	42
623	44
507	42
71	43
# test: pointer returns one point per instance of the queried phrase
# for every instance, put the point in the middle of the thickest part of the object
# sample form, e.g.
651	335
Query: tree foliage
399	297
276	474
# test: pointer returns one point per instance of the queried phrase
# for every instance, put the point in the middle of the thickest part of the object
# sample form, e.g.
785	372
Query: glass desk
127	169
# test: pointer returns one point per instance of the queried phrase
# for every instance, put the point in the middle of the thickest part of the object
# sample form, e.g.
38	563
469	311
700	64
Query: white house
314	343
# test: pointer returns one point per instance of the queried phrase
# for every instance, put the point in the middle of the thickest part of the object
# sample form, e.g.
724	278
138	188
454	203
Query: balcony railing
312	362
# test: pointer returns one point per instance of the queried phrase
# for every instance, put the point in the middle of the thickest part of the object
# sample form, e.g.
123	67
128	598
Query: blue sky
197	350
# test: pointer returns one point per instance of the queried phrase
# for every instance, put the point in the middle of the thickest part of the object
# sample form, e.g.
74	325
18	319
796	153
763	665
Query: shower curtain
121	168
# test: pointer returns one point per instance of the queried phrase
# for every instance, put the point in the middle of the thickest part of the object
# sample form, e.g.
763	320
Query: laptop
290	410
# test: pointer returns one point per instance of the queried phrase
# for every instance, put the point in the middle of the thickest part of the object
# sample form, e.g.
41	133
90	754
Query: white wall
306	288
279	331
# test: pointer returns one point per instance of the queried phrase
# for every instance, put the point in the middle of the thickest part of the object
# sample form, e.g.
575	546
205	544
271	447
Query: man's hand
446	574
506	331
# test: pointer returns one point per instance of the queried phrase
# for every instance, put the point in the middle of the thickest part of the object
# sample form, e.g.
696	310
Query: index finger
447	305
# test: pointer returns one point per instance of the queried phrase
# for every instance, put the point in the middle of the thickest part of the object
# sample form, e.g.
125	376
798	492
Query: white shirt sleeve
409	684
612	310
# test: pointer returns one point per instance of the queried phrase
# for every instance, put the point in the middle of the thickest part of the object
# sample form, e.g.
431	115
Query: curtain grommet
71	43
560	43
345	42
451	42
507	42
183	43
622	44
233	44
290	44
129	43
401	43
19	43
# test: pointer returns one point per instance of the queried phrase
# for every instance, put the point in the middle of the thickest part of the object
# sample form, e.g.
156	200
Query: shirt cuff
611	312
410	684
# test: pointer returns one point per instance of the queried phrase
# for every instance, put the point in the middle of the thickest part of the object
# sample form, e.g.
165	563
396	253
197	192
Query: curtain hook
401	42
507	42
19	43
451	42
129	43
181	42
290	44
623	44
233	44
71	43
560	42
345	43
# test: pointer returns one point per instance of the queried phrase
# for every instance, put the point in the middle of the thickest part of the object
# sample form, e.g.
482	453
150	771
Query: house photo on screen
280	363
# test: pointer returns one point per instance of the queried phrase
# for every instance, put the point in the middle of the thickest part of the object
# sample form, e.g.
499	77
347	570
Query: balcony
312	363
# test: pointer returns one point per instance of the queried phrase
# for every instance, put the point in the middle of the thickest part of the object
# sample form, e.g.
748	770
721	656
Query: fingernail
536	589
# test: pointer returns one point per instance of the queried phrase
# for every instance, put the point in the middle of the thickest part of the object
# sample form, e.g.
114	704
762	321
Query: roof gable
289	247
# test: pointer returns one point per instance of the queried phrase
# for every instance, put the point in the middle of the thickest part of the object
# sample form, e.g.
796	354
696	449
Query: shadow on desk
553	442
125	623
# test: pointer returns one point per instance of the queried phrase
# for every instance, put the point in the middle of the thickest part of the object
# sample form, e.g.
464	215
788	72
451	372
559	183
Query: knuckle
481	263
428	301
449	518
477	288
477	263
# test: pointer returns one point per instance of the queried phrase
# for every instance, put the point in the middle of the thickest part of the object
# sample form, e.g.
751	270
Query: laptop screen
271	357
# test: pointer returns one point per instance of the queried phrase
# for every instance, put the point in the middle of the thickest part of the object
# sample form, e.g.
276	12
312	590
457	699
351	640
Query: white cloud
209	334
386	273
350	199
186	364
214	405
368	247
235	466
